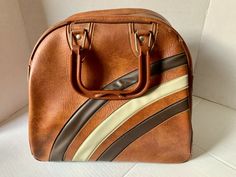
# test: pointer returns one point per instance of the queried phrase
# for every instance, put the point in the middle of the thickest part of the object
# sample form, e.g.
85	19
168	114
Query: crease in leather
82	114
156	68
118	117
122	142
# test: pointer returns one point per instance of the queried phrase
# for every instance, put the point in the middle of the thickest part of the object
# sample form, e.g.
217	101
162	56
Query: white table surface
214	151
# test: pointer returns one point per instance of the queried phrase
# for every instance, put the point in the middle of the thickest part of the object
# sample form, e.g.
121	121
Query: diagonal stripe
112	105
122	114
138	118
145	126
82	115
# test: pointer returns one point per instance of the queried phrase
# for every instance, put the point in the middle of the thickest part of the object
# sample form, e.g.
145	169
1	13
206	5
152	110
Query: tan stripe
139	117
106	110
111	106
121	115
168	142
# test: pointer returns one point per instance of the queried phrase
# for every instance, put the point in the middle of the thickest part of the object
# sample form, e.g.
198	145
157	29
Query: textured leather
169	142
106	110
124	113
114	39
79	119
138	118
149	33
142	128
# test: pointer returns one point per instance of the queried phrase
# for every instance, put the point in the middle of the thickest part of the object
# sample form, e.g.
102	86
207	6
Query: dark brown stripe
90	107
122	142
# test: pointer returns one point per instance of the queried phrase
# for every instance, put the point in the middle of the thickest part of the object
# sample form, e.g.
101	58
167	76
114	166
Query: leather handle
141	86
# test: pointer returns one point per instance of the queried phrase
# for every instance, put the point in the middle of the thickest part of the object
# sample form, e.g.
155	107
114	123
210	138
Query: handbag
111	85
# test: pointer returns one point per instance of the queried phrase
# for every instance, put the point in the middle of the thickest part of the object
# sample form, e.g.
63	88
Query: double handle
144	73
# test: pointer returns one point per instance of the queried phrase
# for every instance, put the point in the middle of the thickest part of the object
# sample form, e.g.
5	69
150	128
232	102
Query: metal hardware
141	38
78	36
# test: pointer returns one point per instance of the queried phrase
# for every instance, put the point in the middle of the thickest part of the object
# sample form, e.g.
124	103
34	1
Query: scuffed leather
52	97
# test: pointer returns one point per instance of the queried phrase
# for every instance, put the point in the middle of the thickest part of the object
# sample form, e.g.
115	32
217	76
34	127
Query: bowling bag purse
111	85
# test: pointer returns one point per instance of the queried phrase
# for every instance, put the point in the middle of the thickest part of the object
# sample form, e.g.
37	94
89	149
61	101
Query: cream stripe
118	117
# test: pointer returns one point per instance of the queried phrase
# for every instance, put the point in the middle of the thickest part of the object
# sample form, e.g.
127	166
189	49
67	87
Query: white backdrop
215	74
14	51
187	16
23	21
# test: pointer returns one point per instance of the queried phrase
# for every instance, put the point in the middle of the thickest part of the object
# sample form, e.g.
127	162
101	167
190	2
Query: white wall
23	21
215	74
187	16
35	21
13	59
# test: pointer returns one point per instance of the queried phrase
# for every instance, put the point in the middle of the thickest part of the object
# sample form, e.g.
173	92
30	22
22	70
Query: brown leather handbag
111	85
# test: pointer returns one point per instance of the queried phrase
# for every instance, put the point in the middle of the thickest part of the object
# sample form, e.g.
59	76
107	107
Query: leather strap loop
141	86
